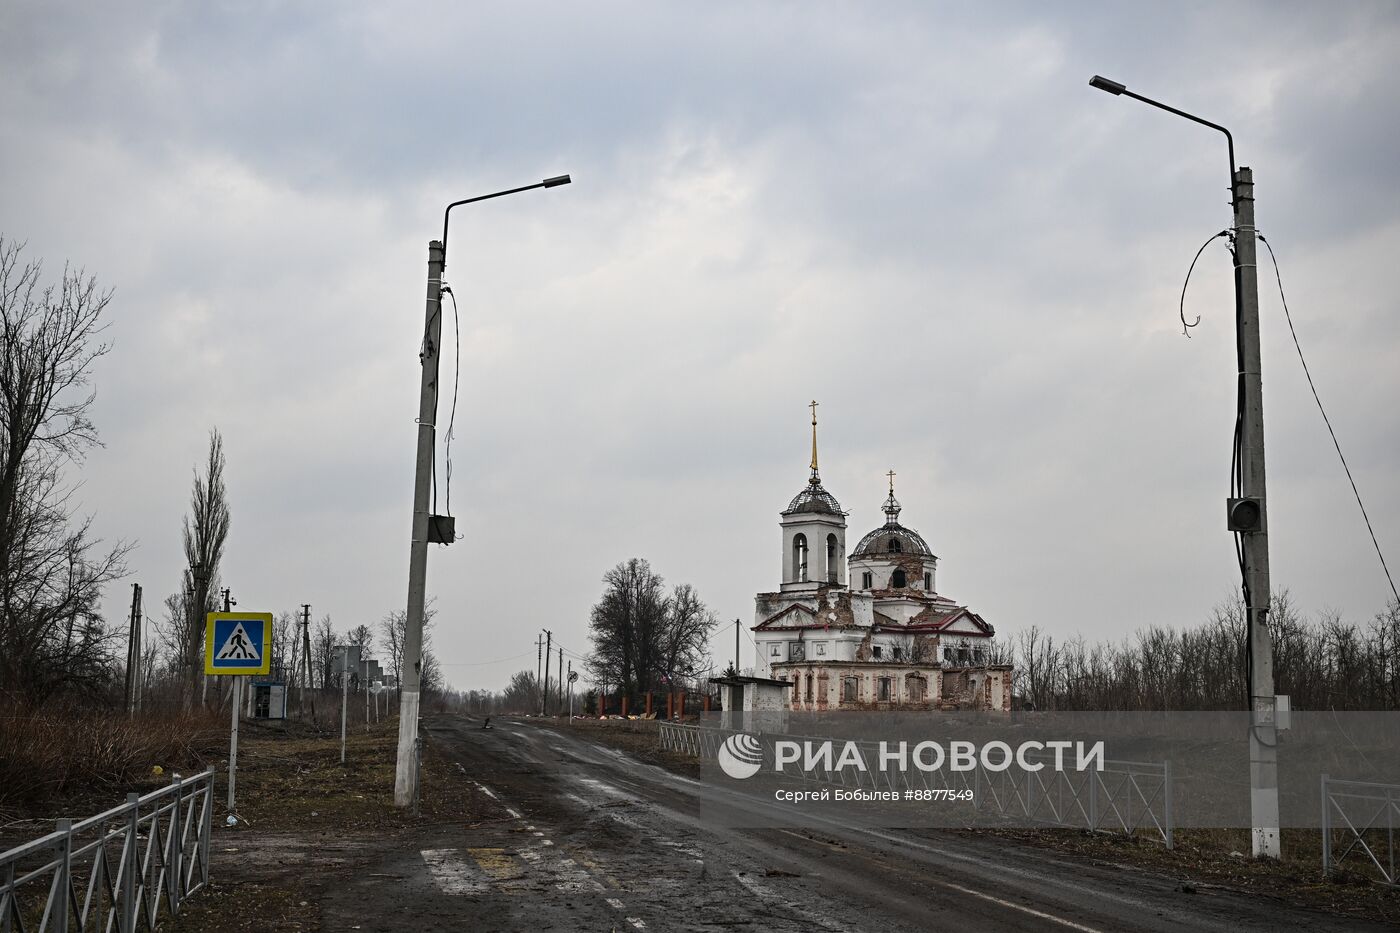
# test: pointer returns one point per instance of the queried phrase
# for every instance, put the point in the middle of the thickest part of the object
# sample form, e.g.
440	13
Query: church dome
893	538
814	498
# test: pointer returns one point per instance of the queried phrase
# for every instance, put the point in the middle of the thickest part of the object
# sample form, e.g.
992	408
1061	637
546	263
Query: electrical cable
456	382
1181	309
1328	421
525	654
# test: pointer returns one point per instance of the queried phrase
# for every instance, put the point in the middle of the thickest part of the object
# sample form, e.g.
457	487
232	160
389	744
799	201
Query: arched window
895	546
899	581
831	558
867	580
928	582
799	558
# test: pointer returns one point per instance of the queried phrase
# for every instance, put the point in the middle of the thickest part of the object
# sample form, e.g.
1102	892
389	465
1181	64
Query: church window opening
885	688
898	653
867	580
876	652
895	547
916	687
776	651
808	695
849	688
799	558
928	582
831	559
899	581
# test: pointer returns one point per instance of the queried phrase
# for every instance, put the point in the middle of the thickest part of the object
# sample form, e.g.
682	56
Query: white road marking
453	874
614	903
514	813
637	922
1014	906
487	791
766	893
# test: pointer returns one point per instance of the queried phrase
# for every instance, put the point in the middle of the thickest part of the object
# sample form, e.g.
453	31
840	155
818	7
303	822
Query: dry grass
61	754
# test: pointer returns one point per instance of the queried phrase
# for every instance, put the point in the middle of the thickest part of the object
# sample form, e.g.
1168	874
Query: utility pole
1263	734
571	693
344	696
306	650
561	678
405	772
133	653
229	603
539	664
548	650
736	648
427	527
1246	515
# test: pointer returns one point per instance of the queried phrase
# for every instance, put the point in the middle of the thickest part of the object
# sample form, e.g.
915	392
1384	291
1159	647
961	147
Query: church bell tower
814	534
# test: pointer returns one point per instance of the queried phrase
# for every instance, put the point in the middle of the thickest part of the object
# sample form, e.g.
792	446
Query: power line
477	663
1328	421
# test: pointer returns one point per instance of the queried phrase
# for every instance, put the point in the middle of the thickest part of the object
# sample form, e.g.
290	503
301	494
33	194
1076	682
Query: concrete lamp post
1245	509
427	527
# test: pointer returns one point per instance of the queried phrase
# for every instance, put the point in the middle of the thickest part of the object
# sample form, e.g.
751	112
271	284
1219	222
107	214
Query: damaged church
869	631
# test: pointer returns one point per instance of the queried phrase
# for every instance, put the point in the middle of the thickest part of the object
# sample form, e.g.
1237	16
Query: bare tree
323	652
642	636
51	635
392	628
205	533
1322	663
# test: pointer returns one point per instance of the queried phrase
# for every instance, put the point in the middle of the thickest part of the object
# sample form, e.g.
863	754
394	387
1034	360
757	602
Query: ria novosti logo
741	755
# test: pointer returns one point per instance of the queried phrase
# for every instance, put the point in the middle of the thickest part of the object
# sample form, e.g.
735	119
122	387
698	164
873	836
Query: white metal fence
1362	816
121	871
1125	797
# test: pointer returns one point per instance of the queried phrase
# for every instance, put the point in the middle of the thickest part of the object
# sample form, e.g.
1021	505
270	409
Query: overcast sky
919	215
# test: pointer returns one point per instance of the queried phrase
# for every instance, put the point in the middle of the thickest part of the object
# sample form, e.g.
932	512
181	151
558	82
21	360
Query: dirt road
585	837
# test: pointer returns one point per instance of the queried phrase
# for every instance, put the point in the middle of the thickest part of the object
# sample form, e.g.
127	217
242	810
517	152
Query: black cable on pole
456	382
1328	421
1185	327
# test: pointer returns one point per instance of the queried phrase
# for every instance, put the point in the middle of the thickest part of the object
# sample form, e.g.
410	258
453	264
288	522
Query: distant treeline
1323	663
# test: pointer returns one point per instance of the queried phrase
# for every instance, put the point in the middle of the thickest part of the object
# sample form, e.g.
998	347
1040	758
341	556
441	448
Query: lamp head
1103	84
557	180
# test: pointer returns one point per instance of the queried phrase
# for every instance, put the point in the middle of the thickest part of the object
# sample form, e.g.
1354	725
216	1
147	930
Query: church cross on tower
890	474
816	478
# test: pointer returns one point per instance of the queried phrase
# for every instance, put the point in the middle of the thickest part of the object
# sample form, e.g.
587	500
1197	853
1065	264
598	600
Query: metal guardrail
1365	815
1125	797
118	872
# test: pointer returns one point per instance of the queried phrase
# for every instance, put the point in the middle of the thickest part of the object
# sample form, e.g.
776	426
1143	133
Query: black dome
878	542
814	499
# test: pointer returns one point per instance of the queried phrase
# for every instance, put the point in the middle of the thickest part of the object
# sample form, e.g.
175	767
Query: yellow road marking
496	863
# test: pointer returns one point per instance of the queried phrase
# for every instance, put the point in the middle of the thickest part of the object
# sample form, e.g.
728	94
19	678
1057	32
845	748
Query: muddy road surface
586	837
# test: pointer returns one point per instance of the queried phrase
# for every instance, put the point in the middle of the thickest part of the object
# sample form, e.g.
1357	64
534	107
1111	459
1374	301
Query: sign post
347	662
237	643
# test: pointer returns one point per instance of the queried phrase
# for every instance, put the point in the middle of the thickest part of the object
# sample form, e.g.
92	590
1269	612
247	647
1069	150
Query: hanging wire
1181	310
456	382
1328	421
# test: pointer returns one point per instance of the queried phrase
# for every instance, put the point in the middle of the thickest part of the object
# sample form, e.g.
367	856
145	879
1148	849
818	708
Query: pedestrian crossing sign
238	643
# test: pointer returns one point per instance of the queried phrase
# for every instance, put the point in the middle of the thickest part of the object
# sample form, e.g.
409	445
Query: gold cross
890	474
813	406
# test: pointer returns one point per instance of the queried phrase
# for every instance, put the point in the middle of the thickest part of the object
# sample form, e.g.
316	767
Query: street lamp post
1246	514
426	527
